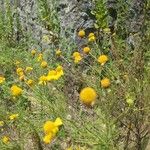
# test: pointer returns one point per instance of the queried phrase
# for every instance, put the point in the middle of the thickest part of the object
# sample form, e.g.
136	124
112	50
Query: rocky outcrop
75	15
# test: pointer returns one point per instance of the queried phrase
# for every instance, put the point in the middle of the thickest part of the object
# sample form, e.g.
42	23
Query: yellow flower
58	52
16	91
58	122
28	69
5	139
2	79
77	57
92	39
52	127
86	50
1	123
21	74
51	75
59	71
55	74
13	116
43	80
44	64
88	96
102	59
91	34
81	33
75	54
40	57
105	83
47	138
19	71
30	82
22	77
17	62
33	52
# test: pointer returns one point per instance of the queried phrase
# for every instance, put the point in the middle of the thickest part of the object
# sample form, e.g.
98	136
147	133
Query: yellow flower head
86	50
22	77
75	54
59	70
55	74
16	91
19	71
81	33
17	63
102	59
92	39
30	82
77	57
43	80
91	34
105	83
51	127
2	79
40	57
13	116
47	138
58	122
58	52
33	52
28	69
88	96
1	123
5	139
44	64
51	75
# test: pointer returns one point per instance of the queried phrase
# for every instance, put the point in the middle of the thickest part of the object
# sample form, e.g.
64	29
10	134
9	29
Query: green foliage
48	15
100	13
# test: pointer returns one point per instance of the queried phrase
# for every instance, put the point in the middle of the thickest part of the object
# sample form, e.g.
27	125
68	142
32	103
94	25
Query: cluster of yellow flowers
12	117
91	36
76	55
21	72
88	95
54	74
50	129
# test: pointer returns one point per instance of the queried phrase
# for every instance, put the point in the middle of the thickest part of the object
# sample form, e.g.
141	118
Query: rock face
73	15
136	17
